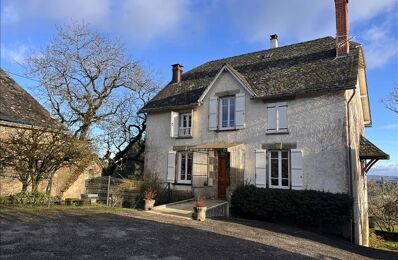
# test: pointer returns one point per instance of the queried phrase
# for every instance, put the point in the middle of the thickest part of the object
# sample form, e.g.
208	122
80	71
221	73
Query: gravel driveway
128	234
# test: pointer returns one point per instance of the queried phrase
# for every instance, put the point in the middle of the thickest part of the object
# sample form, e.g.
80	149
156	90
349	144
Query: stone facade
65	182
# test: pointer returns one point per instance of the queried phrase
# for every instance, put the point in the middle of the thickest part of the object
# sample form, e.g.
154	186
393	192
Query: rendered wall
316	125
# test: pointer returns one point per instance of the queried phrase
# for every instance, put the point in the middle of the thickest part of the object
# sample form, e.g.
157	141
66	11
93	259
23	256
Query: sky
160	33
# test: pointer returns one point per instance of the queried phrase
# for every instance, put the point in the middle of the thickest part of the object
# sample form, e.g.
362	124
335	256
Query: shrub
305	207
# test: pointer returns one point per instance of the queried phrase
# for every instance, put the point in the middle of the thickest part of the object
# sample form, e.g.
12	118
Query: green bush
304	207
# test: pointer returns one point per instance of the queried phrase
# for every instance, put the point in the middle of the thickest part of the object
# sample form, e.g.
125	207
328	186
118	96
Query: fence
113	192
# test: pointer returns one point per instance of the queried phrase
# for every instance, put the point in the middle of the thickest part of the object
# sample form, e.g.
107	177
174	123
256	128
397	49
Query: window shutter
271	118
261	159
297	169
171	166
282	117
213	105
240	110
174	124
199	169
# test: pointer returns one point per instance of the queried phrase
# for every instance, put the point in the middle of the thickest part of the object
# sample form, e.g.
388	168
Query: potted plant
200	209
149	197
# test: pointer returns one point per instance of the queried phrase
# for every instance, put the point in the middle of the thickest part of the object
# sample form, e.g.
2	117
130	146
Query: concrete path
183	208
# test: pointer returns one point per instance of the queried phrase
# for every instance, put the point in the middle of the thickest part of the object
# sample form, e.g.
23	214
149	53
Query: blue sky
161	33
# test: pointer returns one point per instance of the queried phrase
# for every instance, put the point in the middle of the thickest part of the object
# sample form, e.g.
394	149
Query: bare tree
87	77
35	154
391	102
124	138
383	204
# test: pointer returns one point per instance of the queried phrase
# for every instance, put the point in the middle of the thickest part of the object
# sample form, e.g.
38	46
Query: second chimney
177	71
274	41
342	40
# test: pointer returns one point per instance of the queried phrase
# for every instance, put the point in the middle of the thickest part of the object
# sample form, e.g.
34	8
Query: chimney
274	41
342	40
177	71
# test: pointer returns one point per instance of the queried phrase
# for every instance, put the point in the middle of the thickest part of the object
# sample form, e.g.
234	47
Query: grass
378	242
395	228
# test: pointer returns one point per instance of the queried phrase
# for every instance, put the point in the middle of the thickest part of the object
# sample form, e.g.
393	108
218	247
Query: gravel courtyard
100	233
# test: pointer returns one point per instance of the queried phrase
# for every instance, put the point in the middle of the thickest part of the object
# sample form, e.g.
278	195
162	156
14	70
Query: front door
223	174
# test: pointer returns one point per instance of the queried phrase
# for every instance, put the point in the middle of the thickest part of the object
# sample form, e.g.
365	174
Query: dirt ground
100	233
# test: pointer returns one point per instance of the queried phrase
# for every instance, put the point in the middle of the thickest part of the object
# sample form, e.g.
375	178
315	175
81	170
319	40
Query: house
289	117
19	110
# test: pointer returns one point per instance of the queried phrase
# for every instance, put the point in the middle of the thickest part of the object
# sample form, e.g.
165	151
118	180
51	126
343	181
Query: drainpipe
350	167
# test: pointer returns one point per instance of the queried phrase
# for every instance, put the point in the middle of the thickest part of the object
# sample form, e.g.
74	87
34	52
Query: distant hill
379	178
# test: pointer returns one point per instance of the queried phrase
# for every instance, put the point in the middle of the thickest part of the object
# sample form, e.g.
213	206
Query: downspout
350	166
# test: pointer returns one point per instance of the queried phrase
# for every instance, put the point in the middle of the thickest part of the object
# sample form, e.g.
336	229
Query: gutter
350	166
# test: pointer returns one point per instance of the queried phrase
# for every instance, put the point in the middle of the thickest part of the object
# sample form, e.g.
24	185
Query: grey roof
17	106
291	70
367	150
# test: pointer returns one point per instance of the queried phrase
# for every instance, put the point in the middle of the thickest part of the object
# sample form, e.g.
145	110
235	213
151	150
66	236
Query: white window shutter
174	124
282	117
261	159
240	110
271	118
171	166
297	169
213	105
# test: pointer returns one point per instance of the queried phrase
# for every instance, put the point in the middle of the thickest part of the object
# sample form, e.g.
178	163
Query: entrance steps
215	208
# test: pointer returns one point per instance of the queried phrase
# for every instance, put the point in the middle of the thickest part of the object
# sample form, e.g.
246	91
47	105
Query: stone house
289	117
19	110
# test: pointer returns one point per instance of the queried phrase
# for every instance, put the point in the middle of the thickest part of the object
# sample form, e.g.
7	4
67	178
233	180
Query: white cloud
92	11
148	20
15	54
389	169
9	14
381	43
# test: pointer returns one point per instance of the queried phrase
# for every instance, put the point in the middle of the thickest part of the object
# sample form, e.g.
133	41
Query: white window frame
181	130
179	179
278	112
229	98
279	186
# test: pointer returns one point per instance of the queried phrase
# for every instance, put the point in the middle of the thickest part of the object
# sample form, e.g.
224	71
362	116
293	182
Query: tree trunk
35	186
24	186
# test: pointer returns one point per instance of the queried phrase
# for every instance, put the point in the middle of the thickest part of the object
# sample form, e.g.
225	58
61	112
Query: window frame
277	107
181	121
279	186
179	173
220	112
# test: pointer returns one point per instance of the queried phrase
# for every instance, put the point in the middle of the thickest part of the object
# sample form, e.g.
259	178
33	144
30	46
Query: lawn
378	241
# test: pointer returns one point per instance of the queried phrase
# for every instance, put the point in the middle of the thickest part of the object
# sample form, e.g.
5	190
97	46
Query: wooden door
223	176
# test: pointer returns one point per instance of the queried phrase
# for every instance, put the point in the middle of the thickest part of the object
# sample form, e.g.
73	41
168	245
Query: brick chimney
177	71
274	41
342	39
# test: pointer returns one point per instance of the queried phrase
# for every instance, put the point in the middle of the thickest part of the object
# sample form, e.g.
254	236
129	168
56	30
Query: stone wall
60	187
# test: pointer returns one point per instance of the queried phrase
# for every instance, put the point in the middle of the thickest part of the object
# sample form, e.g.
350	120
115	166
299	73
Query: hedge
300	207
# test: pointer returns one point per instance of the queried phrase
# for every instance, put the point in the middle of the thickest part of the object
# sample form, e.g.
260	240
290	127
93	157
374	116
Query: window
185	167
279	169
185	125
227	112
277	117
